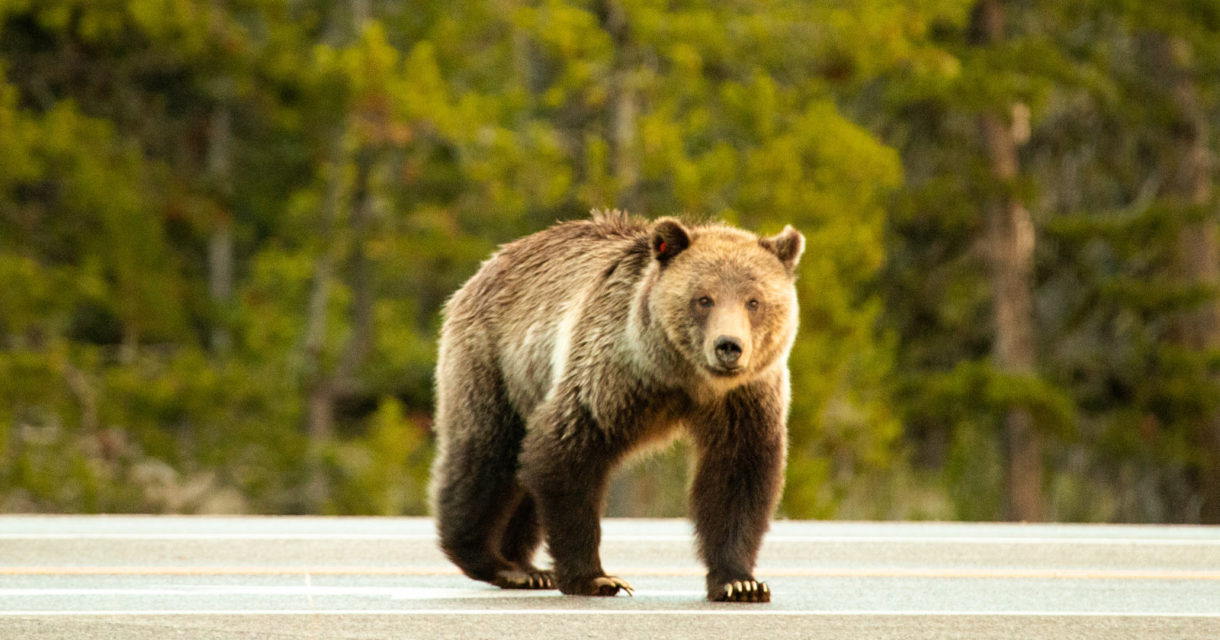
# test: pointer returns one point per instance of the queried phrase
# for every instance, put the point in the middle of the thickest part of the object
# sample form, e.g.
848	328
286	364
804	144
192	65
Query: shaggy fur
572	347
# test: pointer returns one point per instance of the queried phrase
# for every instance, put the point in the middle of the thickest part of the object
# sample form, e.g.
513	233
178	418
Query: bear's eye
704	301
752	304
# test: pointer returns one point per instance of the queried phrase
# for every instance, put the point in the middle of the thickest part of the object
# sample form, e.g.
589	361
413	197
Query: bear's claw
743	591
597	586
610	585
520	579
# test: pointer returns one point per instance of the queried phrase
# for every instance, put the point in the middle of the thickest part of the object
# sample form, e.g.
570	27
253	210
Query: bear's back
515	304
531	275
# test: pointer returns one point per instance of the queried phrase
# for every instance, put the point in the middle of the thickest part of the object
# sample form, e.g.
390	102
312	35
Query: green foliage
1119	408
227	228
385	472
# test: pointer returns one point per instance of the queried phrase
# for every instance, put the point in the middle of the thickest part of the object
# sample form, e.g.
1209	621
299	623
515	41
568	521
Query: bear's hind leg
475	490
474	478
473	499
518	541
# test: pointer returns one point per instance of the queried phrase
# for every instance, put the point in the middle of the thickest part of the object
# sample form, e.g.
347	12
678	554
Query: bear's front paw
598	586
521	579
741	591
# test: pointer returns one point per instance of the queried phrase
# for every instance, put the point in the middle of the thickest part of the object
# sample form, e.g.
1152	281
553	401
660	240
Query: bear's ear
669	238
787	245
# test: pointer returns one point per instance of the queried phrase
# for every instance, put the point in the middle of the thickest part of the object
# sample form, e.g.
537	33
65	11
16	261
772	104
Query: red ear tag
661	247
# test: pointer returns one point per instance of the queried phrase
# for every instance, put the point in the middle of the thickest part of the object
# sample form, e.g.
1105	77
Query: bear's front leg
736	486
567	477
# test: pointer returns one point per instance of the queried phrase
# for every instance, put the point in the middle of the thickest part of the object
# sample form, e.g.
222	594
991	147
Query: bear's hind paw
742	591
519	579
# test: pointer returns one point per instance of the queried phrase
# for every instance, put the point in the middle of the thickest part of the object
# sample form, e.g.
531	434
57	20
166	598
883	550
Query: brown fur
574	346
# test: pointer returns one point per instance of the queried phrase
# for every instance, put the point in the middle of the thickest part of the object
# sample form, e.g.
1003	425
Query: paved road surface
192	577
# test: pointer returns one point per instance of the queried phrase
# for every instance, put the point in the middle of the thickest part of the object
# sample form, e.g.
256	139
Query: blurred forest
227	228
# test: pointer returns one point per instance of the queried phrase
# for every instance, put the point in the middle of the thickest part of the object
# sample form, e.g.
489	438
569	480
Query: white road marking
306	589
727	610
773	539
690	571
406	537
1184	559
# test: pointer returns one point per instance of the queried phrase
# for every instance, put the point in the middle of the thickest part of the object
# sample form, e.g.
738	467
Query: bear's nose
728	350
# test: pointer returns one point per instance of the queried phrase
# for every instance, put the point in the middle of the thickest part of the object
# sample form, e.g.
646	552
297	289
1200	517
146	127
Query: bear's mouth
722	371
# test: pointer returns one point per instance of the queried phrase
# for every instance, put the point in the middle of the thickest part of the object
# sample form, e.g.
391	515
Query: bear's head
725	298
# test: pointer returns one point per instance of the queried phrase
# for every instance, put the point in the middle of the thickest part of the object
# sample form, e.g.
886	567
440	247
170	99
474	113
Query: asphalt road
194	577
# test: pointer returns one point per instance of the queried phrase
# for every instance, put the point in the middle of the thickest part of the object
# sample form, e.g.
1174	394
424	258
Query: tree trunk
220	280
359	274
624	108
219	176
361	14
319	401
319	415
1010	240
1197	259
325	386
342	238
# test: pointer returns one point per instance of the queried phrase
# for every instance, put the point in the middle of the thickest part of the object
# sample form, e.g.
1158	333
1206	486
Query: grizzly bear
571	348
